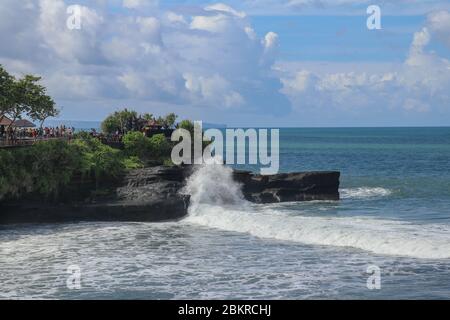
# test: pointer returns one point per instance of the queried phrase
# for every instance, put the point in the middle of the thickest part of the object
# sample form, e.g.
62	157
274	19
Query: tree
43	108
6	89
122	121
169	121
24	96
147	116
187	124
111	124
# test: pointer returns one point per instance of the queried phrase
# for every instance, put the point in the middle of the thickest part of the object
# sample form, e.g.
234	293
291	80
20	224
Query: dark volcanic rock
285	187
156	182
155	210
148	195
153	194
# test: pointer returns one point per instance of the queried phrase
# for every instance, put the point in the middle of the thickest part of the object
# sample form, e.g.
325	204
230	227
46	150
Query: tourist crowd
14	134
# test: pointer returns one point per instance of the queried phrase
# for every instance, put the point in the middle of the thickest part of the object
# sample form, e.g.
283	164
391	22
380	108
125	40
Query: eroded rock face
286	187
145	195
158	188
166	183
160	182
153	194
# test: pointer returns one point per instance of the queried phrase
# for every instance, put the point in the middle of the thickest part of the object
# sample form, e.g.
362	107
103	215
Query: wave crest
364	192
217	202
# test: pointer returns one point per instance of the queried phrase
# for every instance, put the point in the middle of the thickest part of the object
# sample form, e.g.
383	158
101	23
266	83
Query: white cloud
216	23
211	60
65	43
421	84
216	61
135	4
270	40
225	8
174	18
213	90
439	23
337	7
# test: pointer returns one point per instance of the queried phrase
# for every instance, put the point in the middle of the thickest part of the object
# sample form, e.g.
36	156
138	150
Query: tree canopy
25	96
125	121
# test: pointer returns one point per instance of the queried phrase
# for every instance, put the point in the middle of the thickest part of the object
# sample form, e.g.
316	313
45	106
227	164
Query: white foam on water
217	202
364	192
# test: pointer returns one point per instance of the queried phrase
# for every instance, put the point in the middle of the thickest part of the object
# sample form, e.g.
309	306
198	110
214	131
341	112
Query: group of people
107	138
14	134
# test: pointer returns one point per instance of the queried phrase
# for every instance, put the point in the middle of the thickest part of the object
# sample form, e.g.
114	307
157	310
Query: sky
252	63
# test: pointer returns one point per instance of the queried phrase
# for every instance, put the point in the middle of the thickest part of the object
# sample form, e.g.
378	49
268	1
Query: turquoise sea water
410	165
394	214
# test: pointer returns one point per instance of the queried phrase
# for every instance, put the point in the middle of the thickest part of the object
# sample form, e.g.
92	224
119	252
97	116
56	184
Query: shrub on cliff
155	148
52	165
132	163
98	159
14	178
43	169
46	167
136	144
159	146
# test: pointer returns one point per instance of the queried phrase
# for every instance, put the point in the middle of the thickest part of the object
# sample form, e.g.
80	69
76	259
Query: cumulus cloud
212	59
439	23
225	8
333	7
136	4
420	84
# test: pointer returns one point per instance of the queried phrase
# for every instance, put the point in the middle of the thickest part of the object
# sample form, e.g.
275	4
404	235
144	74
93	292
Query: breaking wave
217	202
364	192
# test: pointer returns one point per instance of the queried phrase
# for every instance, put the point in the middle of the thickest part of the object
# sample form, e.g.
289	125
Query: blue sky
243	63
340	38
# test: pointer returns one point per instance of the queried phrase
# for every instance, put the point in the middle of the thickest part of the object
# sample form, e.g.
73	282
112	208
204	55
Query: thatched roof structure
5	121
23	123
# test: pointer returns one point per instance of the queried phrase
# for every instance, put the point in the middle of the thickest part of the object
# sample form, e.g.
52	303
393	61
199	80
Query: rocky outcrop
153	194
286	187
146	195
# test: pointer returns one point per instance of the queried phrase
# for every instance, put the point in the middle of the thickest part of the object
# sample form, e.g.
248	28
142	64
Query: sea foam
364	192
217	202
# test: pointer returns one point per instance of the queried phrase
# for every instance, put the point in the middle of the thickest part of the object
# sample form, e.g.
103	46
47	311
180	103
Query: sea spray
213	185
217	202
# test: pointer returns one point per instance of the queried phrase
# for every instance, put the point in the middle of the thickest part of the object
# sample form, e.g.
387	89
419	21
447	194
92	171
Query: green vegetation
136	144
156	147
187	124
160	147
120	121
25	96
153	149
47	167
125	121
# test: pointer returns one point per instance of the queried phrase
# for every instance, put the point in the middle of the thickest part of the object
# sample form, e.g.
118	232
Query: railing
26	142
113	141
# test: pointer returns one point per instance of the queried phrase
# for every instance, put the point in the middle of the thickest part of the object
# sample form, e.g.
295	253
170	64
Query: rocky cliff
285	187
153	194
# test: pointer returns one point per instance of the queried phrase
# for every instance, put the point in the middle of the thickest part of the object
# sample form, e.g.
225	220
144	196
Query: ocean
393	216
